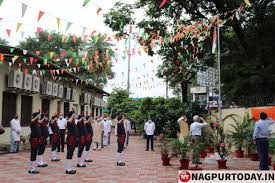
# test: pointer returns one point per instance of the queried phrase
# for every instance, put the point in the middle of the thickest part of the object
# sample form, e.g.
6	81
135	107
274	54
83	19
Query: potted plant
252	154
241	134
165	153
223	149
182	146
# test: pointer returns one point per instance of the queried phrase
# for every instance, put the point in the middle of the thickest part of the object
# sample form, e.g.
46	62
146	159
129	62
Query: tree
117	97
100	51
68	52
247	45
3	42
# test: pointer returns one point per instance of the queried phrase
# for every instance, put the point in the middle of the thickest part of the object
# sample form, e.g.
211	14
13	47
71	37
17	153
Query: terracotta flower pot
165	161
203	154
184	164
254	157
239	153
273	166
269	160
222	164
210	149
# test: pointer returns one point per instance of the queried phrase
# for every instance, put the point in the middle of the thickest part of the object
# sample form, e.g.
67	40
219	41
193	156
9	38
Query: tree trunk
184	88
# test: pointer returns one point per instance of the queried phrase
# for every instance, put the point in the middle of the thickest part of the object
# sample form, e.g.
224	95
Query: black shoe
55	160
33	172
62	150
120	164
43	166
89	160
70	172
80	166
147	150
58	150
152	150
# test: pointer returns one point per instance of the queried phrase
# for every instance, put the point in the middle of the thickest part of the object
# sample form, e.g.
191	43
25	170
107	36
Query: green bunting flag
86	2
11	50
68	26
1	1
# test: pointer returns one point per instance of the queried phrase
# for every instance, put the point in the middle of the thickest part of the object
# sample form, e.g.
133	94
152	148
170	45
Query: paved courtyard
141	167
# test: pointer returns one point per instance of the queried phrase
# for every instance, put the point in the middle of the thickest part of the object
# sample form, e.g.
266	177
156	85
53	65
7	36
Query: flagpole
129	59
219	73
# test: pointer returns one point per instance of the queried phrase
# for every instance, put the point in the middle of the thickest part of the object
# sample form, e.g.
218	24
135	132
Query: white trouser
105	139
53	155
87	155
33	165
120	158
68	164
40	160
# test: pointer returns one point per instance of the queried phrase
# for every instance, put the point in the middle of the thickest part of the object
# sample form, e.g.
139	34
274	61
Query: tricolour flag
214	41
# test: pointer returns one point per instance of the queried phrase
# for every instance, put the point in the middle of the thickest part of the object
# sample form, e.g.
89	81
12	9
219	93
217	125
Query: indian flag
214	41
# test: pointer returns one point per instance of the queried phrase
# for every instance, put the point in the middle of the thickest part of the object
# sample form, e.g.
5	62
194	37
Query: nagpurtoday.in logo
184	176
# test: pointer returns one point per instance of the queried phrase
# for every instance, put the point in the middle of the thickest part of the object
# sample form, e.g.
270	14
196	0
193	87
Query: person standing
149	128
62	124
15	133
196	129
97	127
260	137
71	142
127	126
34	141
55	138
82	140
89	138
42	141
121	136
110	124
106	130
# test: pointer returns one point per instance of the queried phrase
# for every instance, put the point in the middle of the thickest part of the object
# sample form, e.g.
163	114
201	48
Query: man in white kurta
106	129
15	133
110	124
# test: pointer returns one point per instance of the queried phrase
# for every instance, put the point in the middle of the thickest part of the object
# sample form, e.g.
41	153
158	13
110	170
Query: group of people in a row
82	130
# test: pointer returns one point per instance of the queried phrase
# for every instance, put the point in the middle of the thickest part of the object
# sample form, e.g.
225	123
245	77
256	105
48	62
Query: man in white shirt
127	126
110	124
62	124
15	133
195	129
149	129
106	130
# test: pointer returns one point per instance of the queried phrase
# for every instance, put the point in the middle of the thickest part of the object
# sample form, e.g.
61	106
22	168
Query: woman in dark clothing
55	138
82	140
71	142
89	138
121	135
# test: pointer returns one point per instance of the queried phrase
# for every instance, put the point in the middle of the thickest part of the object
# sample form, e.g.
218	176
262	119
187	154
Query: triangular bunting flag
24	8
14	59
11	50
74	38
49	37
58	22
98	10
39	30
10	64
63	38
41	13
25	52
8	32
246	2
18	26
63	53
68	26
51	55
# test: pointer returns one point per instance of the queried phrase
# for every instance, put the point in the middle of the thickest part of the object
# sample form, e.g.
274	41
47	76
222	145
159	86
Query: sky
143	81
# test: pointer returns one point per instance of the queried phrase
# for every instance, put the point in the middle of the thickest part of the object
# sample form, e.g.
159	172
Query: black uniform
121	135
82	137
35	139
89	135
43	138
71	138
55	135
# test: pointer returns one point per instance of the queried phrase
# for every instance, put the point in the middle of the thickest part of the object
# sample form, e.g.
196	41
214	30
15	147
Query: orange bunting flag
94	31
58	22
85	37
39	30
63	38
131	29
8	32
74	38
163	3
63	53
2	57
51	55
41	13
49	37
25	71
98	10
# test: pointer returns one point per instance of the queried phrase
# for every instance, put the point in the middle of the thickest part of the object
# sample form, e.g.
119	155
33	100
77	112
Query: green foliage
3	42
75	50
242	132
181	146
